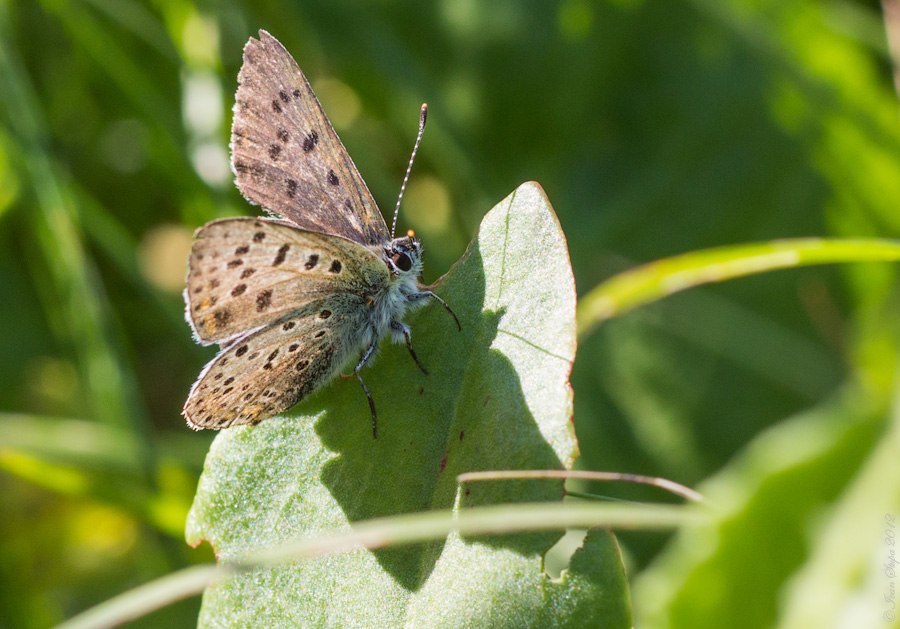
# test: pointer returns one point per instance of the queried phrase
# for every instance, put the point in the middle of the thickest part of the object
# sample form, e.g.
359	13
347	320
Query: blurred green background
655	127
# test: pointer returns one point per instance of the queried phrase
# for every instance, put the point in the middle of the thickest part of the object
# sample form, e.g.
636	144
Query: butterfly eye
402	261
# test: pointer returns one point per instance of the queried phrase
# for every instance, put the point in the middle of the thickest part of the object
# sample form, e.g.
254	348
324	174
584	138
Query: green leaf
497	397
817	496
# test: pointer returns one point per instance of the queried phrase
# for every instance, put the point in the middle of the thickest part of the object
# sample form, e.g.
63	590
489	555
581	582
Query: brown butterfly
291	299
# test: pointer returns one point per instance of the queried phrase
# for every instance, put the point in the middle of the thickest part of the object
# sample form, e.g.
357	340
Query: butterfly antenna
423	115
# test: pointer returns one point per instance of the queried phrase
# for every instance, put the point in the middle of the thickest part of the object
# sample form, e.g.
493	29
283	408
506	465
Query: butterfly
291	298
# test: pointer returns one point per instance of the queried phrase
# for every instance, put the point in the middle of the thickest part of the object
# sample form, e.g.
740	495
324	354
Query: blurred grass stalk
661	278
93	461
73	296
388	532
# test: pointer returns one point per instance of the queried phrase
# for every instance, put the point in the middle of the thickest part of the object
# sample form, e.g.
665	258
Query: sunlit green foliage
656	128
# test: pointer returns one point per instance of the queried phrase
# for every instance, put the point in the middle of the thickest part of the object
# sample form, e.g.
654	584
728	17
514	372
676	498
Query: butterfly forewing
244	273
287	157
269	370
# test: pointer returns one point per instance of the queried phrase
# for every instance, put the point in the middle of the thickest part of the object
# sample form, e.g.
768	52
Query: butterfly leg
427	293
362	363
397	326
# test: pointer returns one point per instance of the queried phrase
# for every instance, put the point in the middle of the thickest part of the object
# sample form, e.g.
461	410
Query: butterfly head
403	256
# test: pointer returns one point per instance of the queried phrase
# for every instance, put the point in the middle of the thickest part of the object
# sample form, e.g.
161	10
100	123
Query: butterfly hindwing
269	370
286	155
244	273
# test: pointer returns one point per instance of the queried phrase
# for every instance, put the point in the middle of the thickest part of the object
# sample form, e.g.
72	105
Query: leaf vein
534	345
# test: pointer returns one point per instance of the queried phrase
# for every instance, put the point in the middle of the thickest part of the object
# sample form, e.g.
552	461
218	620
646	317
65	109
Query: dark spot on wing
291	188
284	96
283	135
214	283
241	250
288	326
274	151
324	314
259	236
228	381
222	316
296	93
293	347
276	107
235	263
281	255
320	334
263	300
241	350
247	273
335	266
253	356
311	261
240	289
333	178
310	141
253	168
300	366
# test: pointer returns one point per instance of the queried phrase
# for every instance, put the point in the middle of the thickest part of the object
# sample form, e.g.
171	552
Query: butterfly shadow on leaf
469	413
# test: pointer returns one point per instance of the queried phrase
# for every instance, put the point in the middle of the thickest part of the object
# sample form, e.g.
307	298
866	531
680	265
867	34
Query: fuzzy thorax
403	258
